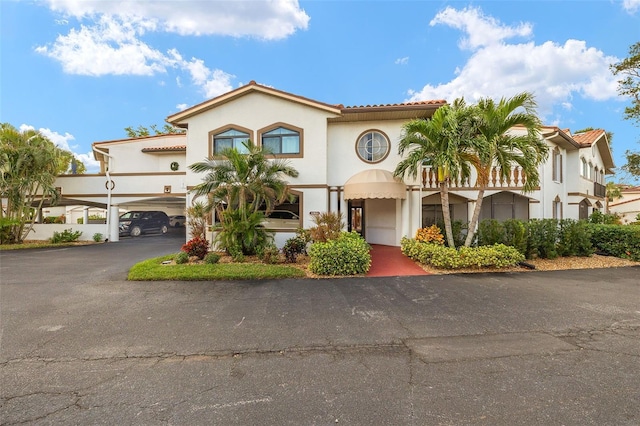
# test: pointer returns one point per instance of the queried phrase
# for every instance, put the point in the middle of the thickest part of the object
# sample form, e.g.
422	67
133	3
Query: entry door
356	216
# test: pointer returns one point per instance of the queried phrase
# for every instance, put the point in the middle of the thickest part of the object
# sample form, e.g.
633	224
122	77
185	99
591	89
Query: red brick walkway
388	261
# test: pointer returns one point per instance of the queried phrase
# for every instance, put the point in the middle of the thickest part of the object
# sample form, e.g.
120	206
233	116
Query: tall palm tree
498	147
238	186
446	142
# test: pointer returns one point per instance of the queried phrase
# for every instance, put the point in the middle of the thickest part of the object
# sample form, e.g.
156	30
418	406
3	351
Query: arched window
229	137
584	171
557	208
281	139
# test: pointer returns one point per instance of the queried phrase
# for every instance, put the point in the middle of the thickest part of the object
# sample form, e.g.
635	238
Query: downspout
108	233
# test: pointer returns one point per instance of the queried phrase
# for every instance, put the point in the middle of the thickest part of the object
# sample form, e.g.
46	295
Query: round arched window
372	146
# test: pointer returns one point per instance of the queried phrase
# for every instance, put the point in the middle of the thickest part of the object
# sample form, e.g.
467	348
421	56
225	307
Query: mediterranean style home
345	157
628	205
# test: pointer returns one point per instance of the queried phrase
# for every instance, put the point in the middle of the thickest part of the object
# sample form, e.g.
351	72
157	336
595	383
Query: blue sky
83	70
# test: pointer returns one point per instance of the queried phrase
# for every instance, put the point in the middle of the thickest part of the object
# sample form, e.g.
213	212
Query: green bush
66	236
458	229
212	258
181	258
97	237
491	231
617	240
574	238
349	254
542	237
515	235
604	219
243	236
491	256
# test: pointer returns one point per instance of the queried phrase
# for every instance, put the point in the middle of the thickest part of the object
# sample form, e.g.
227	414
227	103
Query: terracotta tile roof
400	105
589	137
165	148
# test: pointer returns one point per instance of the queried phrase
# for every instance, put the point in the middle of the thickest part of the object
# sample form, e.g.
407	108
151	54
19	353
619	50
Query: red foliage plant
196	247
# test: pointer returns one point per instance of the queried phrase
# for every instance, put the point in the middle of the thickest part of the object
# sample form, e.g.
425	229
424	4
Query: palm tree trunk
446	214
474	219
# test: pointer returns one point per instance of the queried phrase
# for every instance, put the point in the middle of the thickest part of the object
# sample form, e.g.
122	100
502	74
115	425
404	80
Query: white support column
114	225
85	215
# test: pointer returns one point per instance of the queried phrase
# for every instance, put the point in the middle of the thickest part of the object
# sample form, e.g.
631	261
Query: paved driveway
81	345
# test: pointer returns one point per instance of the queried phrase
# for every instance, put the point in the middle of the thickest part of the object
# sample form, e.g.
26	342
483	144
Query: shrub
348	254
542	237
97	237
328	227
66	236
574	238
269	254
491	231
491	256
246	234
458	229
431	234
181	258
294	247
515	235
211	258
197	246
606	219
617	240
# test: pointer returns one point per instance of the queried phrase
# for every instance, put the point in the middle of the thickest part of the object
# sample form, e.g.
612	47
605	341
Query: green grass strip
154	270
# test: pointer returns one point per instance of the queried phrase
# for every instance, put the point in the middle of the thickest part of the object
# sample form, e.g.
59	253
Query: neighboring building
628	205
346	157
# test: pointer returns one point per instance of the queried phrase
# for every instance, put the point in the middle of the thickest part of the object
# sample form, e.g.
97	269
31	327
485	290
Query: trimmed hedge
617	240
490	256
347	255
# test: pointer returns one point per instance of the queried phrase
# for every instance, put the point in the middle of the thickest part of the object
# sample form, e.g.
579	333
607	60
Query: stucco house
628	205
345	156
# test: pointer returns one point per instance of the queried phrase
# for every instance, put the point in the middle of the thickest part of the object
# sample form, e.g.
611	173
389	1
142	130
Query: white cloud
402	61
269	20
109	47
481	30
63	142
182	107
631	6
553	72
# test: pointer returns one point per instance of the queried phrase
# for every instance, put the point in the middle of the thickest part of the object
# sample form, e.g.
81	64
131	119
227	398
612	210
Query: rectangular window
557	166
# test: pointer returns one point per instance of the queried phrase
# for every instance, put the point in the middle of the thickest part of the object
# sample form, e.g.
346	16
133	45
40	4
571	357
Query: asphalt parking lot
81	345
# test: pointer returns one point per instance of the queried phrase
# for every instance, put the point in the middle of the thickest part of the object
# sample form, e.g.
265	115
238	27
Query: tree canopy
142	131
629	86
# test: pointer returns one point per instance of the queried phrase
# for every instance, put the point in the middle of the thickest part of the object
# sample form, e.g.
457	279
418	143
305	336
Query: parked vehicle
177	221
281	219
135	223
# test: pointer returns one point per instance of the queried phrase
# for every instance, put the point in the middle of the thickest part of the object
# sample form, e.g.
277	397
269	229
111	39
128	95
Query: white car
281	219
177	221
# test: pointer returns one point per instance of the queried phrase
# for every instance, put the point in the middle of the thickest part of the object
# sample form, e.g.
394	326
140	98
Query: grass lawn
43	244
154	270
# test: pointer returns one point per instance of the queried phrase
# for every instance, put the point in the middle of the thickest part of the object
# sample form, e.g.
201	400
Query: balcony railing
515	179
599	190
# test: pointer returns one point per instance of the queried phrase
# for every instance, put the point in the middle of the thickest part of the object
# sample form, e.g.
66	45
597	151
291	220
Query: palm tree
239	185
28	167
446	143
498	147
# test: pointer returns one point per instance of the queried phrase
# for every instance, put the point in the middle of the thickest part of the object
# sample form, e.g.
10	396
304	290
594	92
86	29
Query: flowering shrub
431	234
196	247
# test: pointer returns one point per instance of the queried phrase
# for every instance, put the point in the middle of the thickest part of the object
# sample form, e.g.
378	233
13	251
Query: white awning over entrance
374	183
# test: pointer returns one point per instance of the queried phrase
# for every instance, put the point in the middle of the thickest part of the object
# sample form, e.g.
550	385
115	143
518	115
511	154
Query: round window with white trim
372	146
